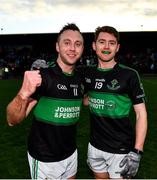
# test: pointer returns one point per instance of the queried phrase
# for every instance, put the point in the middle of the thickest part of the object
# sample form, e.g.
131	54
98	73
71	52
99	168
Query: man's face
70	47
106	47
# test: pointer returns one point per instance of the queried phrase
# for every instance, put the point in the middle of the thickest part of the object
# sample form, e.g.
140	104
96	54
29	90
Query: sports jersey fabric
52	135
112	92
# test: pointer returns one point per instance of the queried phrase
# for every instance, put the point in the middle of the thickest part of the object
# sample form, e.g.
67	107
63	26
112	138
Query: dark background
18	51
134	41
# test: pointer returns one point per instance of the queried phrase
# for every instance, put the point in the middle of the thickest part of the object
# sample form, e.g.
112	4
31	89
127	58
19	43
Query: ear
57	47
118	47
94	46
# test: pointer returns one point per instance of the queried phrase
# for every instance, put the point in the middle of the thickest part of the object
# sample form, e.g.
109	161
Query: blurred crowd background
17	52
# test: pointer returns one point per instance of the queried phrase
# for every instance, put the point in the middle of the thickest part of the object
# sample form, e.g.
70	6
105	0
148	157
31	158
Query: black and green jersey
52	135
112	93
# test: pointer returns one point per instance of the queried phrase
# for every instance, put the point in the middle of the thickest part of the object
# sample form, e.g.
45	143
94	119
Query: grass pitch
13	140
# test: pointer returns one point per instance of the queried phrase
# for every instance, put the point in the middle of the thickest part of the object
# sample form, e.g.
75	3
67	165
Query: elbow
14	118
16	110
11	121
9	124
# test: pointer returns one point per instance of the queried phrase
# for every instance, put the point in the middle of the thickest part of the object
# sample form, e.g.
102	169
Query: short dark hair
69	26
107	29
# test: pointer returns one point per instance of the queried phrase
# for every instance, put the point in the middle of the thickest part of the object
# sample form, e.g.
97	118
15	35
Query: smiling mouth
106	52
71	55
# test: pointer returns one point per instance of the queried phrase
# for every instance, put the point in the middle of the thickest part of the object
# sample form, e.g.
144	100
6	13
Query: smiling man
112	89
56	92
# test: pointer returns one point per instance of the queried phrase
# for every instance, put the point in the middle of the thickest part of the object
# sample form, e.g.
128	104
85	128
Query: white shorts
54	170
100	162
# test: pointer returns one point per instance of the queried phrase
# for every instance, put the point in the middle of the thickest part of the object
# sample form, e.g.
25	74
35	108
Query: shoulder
86	69
86	72
47	73
128	70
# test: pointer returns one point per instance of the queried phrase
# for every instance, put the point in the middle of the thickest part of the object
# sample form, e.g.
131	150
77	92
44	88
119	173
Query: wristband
137	151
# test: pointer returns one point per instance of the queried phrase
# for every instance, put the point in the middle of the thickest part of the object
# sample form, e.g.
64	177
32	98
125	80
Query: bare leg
101	175
73	177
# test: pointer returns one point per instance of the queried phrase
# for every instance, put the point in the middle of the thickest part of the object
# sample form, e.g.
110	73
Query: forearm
16	110
22	104
141	128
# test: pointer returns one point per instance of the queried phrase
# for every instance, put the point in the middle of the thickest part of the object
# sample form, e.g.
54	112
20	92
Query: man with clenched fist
56	94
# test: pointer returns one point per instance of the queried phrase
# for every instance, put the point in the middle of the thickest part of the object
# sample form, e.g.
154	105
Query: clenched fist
32	80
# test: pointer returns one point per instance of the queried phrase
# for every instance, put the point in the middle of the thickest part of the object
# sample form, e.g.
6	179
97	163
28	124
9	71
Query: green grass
13	140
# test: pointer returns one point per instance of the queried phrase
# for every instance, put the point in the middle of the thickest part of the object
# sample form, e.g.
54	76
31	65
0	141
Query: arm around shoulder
86	100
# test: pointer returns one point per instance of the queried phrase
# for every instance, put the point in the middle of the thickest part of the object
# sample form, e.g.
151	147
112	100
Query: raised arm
22	104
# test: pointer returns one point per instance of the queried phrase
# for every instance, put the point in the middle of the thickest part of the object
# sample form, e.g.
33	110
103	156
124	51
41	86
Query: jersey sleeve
136	90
